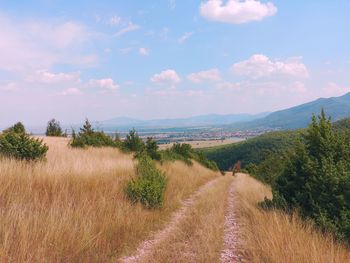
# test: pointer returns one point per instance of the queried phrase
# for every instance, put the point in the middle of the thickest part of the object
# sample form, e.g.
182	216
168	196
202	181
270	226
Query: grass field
274	237
203	144
72	207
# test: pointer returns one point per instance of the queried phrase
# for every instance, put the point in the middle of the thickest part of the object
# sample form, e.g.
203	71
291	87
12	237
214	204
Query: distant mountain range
122	123
291	118
300	116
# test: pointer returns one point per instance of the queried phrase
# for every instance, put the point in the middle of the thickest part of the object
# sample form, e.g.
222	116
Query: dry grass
199	237
72	208
276	237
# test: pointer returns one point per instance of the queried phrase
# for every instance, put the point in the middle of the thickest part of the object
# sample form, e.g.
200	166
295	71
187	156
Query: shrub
22	146
133	142
152	149
88	137
54	128
149	186
316	178
184	152
17	128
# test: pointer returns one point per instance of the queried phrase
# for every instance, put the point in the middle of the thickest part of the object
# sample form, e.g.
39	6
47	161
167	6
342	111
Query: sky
167	59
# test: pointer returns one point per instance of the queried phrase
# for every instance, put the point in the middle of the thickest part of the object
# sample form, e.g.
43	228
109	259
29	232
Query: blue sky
166	59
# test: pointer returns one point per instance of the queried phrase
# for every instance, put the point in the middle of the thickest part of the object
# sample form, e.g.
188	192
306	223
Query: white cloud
114	20
166	76
128	28
71	91
47	77
33	45
226	85
237	11
144	51
206	75
106	84
259	66
184	37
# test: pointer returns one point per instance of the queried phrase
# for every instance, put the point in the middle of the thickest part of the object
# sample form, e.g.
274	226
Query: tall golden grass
72	207
273	236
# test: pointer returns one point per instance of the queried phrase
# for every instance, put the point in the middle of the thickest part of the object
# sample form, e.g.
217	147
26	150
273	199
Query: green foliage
269	169
252	151
149	186
17	128
152	149
316	178
54	128
16	144
88	137
133	142
184	152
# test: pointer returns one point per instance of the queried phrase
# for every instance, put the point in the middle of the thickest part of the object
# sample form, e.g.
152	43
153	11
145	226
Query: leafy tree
54	128
133	142
316	178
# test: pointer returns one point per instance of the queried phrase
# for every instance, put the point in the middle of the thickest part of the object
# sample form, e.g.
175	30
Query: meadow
72	207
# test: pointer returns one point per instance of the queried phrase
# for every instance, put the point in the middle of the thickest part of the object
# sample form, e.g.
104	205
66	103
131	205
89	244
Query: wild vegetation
251	151
54	129
16	143
274	236
316	178
73	208
149	186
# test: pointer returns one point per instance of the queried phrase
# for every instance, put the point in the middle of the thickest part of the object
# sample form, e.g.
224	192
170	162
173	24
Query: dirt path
145	249
231	232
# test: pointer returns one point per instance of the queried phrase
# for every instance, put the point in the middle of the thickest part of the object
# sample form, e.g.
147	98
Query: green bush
152	149
88	137
184	152
149	186
17	128
21	146
133	142
54	128
316	178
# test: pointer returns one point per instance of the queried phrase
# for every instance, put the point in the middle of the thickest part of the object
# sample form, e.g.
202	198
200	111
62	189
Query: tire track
146	248
231	252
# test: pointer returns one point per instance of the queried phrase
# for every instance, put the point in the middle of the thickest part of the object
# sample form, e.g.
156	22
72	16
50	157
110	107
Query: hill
253	150
299	116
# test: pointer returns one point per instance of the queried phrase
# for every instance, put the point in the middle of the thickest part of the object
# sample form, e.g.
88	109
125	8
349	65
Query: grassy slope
274	237
252	150
72	208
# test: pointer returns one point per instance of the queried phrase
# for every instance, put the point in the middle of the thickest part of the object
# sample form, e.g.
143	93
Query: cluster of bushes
89	137
184	152
315	178
16	143
149	186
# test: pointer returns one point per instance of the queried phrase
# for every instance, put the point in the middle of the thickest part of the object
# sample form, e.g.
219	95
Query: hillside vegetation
252	150
299	116
273	236
72	208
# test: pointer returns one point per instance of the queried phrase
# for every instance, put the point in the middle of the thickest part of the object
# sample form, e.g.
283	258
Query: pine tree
53	128
87	128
